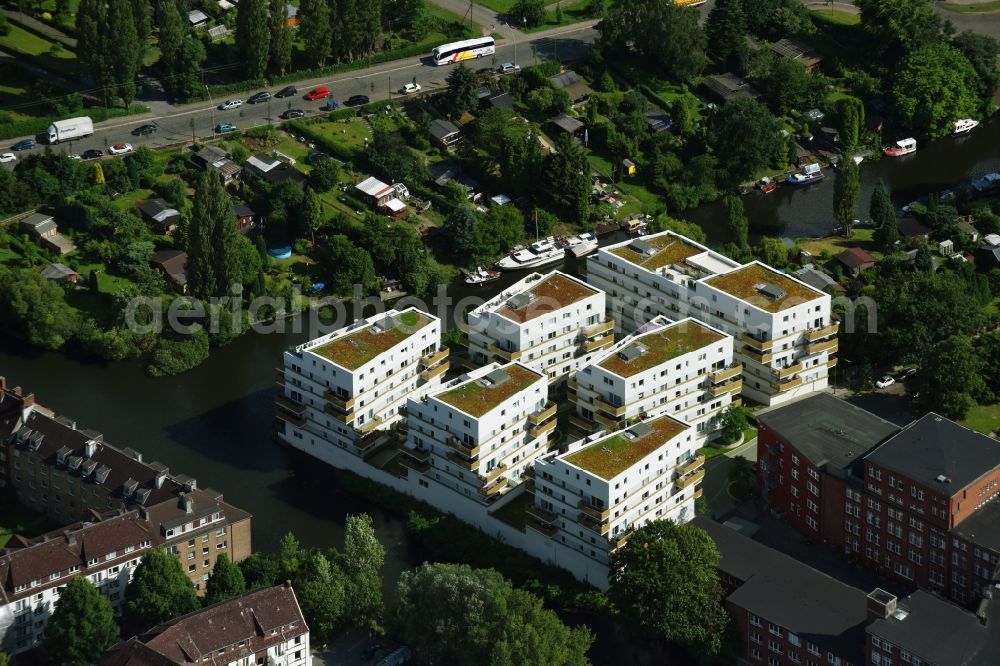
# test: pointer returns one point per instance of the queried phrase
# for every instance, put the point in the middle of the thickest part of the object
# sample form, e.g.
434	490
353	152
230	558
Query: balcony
595	512
489	490
539	431
423	455
825	346
541	515
815	334
415	465
370	426
296	421
492	475
718	376
506	354
783	373
593	525
619	541
760	346
436	371
597	329
548	530
339	415
699	491
785	386
547	412
751	353
279	378
468	450
689	480
342	402
571	384
432	360
290	405
608	422
731	387
597	343
832	363
583	423
691	465
462	462
609	408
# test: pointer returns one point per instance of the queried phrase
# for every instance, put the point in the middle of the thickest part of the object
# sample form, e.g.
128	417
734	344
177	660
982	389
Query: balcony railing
608	422
734	386
506	354
609	408
691	465
369	426
431	360
597	329
815	334
825	346
756	344
547	530
296	421
597	343
782	373
423	455
468	450
571	383
593	525
494	473
279	378
689	480
436	371
539	431
541	514
343	417
723	374
290	405
547	412
461	461
491	489
342	402
415	465
593	511
583	423
619	541
749	352
832	363
795	382
699	491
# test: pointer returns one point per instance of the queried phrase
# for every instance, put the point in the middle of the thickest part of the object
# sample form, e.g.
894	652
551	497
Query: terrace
551	293
763	287
664	250
609	457
659	347
477	397
353	350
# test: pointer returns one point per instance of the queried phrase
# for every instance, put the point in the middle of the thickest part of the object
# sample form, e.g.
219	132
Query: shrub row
33	126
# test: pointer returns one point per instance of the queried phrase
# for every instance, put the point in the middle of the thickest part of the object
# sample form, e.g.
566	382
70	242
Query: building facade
264	627
346	388
785	338
551	323
477	434
594	496
684	369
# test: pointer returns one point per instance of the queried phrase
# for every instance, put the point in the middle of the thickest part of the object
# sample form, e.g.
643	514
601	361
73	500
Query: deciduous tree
125	46
745	138
726	32
668	34
362	562
159	591
35	308
212	270
935	86
982	52
460	231
225	582
898	27
852	122
952	377
82	627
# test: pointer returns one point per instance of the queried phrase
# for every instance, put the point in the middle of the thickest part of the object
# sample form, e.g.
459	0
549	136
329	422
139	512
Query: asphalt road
177	124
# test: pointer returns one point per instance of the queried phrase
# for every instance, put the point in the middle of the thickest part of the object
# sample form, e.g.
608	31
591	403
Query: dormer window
92	562
36	583
112	555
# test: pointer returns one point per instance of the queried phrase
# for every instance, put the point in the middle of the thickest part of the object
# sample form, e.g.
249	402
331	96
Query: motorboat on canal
810	173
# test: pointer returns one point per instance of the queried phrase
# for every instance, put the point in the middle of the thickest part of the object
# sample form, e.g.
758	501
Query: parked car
357	100
27	144
331	105
508	68
120	149
292	113
287	91
318	93
907	373
92	154
257	98
7	158
231	104
143	130
885	382
222	128
74	156
409	89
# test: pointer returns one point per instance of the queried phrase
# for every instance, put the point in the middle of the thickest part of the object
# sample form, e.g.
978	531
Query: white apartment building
34	574
478	433
551	323
345	388
785	337
684	369
264	627
593	497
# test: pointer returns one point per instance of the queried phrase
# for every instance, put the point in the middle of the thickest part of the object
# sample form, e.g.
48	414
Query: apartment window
794	639
814	649
191	568
774	629
755	621
774	646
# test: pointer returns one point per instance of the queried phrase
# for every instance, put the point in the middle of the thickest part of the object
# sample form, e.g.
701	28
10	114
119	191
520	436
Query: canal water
214	422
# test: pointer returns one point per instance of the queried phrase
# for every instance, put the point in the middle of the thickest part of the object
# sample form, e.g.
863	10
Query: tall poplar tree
845	194
124	48
315	27
253	37
211	239
883	215
281	36
91	48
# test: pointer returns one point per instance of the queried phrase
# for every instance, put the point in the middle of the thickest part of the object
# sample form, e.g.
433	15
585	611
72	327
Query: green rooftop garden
743	282
661	346
353	350
609	457
669	250
476	399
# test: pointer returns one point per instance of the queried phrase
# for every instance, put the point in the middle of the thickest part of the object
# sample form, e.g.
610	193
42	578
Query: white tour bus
467	50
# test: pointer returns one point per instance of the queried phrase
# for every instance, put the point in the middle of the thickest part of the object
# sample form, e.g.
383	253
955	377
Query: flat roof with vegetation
660	346
552	292
360	346
609	457
668	249
476	399
745	284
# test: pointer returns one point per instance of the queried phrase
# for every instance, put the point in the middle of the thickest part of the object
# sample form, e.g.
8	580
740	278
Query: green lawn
130	199
972	9
513	512
984	418
572	12
838	17
36	49
834	245
500	6
16	519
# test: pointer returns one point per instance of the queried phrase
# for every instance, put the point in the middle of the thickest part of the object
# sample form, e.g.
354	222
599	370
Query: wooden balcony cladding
597	329
815	334
721	375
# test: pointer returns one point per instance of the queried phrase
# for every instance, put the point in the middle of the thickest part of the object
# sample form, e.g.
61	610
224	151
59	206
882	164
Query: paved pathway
40	27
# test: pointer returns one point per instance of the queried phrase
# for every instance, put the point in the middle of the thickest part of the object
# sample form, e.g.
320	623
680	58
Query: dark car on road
92	154
357	100
143	130
27	144
287	91
257	98
292	113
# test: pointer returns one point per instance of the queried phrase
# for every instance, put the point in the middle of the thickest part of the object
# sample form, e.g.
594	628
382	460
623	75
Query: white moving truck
70	129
